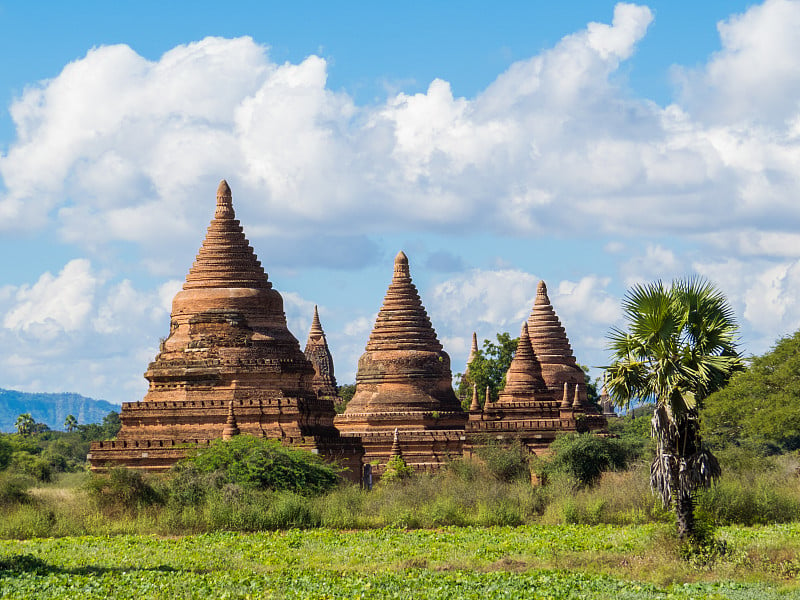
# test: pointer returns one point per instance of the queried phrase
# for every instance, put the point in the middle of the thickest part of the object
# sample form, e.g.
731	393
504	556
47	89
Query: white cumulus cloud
62	302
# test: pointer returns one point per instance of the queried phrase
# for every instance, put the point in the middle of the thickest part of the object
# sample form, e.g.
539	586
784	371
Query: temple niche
404	383
229	365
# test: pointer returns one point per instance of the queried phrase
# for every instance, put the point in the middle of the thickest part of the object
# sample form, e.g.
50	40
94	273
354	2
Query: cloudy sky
593	146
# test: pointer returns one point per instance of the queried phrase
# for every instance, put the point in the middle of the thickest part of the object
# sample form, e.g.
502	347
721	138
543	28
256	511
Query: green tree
70	423
759	409
25	424
678	348
111	424
346	393
488	368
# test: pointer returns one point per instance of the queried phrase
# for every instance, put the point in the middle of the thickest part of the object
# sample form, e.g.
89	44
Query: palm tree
679	347
25	424
70	423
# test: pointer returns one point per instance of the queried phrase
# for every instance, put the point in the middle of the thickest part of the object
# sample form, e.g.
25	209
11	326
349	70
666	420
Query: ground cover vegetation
532	561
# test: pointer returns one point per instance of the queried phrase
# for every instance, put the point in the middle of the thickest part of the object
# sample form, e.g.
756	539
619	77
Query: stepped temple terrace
404	383
229	363
230	366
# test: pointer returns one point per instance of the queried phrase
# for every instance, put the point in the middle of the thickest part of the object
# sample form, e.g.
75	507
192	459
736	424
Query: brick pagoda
553	350
525	409
404	383
229	365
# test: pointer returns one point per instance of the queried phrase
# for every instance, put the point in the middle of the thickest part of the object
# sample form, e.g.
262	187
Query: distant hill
51	409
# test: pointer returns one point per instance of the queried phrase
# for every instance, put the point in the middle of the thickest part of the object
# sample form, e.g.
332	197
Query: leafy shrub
585	456
33	465
265	464
6	450
189	486
758	408
633	432
396	470
14	488
122	488
506	462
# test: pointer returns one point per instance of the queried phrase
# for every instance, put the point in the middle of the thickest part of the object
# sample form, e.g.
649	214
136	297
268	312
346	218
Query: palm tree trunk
683	502
684	510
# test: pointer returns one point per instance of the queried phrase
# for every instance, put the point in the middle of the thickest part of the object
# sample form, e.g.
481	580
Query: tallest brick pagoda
229	356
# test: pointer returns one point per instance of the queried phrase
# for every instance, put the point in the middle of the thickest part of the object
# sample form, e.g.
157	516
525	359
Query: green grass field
537	561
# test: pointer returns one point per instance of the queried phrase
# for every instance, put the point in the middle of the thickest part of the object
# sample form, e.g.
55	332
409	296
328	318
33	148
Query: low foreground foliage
556	562
191	499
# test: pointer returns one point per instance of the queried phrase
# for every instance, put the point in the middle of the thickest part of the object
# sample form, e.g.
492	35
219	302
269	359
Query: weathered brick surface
404	382
530	407
552	347
228	348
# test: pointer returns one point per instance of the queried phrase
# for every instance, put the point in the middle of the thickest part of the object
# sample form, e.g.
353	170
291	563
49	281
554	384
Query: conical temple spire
474	349
565	401
226	258
475	406
402	322
396	450
524	376
231	427
318	353
316	326
548	337
404	374
576	403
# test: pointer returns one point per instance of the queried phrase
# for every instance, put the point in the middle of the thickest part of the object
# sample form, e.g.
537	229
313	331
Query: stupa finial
473	351
224	201
316	326
401	265
541	294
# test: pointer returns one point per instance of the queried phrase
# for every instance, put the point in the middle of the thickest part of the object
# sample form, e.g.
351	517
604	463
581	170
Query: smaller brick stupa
318	353
554	352
525	409
229	366
404	382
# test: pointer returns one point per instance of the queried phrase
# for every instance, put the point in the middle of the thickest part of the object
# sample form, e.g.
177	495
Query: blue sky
594	145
